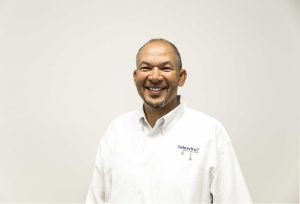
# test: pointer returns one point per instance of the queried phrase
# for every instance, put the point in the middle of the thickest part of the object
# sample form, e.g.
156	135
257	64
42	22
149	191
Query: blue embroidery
188	149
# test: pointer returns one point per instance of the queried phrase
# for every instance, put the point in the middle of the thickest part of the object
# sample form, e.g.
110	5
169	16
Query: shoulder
205	125
196	117
121	125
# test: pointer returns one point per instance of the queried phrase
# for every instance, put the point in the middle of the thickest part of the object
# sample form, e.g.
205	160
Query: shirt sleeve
99	189
228	184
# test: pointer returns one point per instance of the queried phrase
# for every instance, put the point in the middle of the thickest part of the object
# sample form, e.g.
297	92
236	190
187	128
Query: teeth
155	89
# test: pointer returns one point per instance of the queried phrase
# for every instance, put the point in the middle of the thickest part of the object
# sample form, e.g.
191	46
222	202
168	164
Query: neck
153	114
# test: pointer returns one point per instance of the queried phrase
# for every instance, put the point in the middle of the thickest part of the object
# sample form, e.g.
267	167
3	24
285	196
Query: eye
166	69
144	69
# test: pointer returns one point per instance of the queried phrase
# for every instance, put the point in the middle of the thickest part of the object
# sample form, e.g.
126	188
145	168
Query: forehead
156	51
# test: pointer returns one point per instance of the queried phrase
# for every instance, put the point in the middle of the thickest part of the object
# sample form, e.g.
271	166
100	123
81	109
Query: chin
156	105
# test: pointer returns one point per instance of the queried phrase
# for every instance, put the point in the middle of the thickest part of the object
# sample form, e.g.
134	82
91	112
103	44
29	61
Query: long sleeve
228	185
99	190
96	193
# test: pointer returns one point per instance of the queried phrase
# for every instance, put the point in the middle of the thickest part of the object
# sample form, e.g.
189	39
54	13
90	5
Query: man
165	152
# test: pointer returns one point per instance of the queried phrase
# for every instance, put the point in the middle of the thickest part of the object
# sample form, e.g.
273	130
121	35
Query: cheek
173	81
139	80
138	83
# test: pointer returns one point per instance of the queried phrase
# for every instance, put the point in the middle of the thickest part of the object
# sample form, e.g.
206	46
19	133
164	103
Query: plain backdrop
66	72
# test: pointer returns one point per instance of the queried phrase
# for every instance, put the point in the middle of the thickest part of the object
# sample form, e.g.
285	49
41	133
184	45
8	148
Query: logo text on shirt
191	150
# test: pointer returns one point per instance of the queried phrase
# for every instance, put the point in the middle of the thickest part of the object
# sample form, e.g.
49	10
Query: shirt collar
168	120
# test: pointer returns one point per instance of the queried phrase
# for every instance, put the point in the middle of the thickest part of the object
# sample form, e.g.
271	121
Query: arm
99	190
228	185
96	193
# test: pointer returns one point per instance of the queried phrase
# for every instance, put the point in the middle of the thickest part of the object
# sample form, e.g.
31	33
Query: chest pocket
184	176
178	167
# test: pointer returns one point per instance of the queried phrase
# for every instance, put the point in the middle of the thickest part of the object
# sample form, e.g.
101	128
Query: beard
155	105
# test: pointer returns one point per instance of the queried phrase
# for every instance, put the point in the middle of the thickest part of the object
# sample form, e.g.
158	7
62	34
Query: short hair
176	52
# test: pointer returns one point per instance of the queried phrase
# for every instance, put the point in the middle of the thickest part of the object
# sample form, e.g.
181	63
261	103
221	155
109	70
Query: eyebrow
161	64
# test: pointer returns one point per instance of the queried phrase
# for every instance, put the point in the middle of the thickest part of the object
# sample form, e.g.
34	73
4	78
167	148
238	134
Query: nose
155	74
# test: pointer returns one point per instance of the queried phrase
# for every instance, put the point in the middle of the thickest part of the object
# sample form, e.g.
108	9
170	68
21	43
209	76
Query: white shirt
187	157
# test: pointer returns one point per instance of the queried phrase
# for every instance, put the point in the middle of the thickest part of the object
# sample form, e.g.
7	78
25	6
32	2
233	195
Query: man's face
157	76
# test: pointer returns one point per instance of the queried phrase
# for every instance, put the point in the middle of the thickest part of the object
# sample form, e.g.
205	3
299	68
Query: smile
154	89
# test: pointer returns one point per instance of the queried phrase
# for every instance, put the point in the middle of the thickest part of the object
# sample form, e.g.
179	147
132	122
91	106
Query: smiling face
158	75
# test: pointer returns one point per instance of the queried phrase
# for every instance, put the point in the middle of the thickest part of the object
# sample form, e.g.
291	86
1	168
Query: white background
66	72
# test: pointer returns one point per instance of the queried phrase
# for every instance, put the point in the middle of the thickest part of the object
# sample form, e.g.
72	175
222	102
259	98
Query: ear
134	76
182	77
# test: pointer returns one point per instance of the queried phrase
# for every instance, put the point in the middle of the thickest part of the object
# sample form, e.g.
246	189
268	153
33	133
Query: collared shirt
187	157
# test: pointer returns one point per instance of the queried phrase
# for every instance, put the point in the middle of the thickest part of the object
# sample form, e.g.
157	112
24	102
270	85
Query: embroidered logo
190	150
